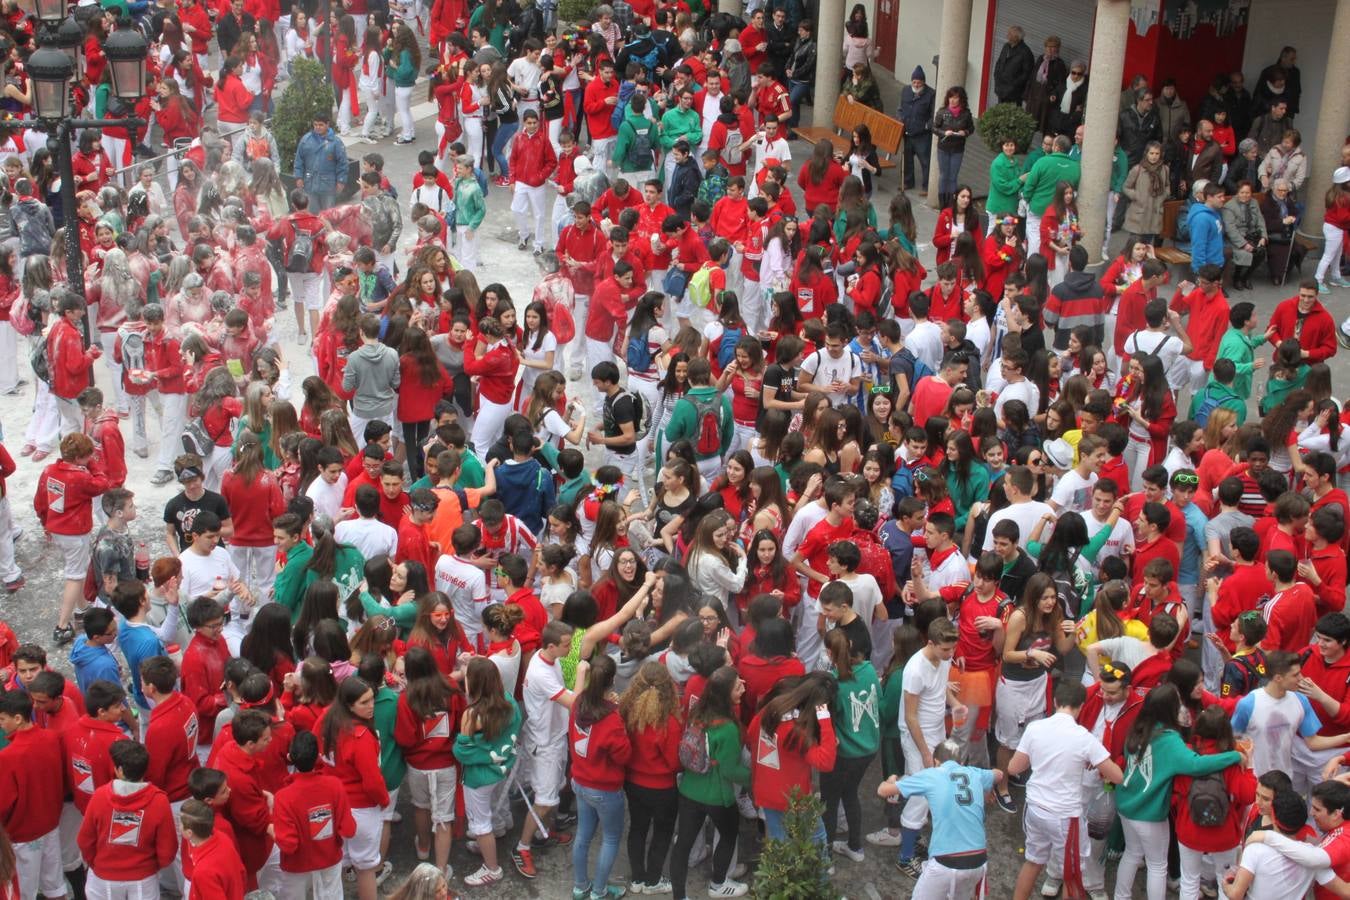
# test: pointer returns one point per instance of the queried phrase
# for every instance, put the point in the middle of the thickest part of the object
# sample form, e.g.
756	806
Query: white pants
809	642
116	148
172	411
257	567
1112	198
68	830
754	309
561	216
358	425
216	466
915	812
1211	663
554	133
667	168
632	466
601	148
1308	763
577	354
306	289
466	241
372	104
136	404
318	884
9	357
741	437
345	112
596	353
1033	233
1195	865
108	339
473	138
403	103
96	888
38	863
1135	458
487	425
938	882
44	428
527	200
1329	266
9	569
1145	842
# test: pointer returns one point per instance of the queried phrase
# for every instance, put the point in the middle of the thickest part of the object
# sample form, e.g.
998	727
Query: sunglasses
1185	478
921	475
881	388
1037	461
1113	671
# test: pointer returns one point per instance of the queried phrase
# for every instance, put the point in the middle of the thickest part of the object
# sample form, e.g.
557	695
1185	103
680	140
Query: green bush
575	10
796	868
308	94
1005	121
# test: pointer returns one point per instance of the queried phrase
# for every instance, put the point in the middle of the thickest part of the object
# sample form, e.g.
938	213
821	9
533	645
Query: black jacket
1013	70
684	182
1016	576
1136	131
916	110
802	63
780	42
229	30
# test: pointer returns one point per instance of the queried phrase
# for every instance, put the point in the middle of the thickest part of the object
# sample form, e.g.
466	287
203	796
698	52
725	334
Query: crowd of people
739	503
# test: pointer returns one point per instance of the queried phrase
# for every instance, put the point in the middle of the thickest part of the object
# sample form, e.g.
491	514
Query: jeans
321	200
841	786
414	436
605	809
505	131
776	829
726	819
650	810
949	171
918	148
798	91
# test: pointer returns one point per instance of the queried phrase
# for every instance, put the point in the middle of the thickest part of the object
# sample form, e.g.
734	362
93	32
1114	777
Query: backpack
734	139
644	414
638	356
700	288
726	345
1207	800
21	317
694	756
37	358
709	415
1207	405
302	249
639	154
197	439
133	350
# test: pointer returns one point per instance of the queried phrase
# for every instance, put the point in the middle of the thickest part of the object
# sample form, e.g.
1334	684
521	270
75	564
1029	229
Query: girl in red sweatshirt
650	710
308	694
348	743
496	368
600	750
769	659
254	496
425	728
1215	845
789	738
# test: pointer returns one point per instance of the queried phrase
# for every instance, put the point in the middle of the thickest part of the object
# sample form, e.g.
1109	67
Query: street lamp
70	38
51	70
125	50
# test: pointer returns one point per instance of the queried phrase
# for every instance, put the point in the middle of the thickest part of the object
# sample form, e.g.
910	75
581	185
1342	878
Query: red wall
1192	59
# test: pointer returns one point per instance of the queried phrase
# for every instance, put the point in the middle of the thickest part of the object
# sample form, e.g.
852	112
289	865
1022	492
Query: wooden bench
888	134
1171	255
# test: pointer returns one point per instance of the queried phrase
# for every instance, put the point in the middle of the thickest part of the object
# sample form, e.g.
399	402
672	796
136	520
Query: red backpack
709	413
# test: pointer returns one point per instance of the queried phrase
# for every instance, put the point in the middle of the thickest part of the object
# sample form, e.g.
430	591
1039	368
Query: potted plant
795	868
309	93
1006	121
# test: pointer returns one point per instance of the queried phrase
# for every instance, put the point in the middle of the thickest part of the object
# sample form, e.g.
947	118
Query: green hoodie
684	419
1004	185
286	589
574	488
349	570
471	471
892	701
469	206
1049	171
1241	346
681	123
632	124
716	786
392	765
1120	170
403	615
1146	793
486	762
858	700
1224	394
1279	388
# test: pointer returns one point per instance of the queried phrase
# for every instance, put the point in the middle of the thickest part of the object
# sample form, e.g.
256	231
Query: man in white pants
169	399
533	162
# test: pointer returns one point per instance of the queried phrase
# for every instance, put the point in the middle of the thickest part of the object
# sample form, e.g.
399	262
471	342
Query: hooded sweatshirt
486	761
527	492
655	761
600	751
128	832
633	124
89	764
686	419
171	741
760	675
311	818
716	787
93	663
858	698
1077	300
777	766
373	372
1146	793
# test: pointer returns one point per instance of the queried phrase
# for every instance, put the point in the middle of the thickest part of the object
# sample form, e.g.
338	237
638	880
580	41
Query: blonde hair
650	699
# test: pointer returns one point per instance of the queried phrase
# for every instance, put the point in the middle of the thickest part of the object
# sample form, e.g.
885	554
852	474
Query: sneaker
1335	280
1342	337
40	455
661	887
843	849
383	872
142	452
1006	802
564	821
611	892
422	854
747	807
884	838
728	888
472	846
555	838
1209	889
63	636
1051	887
1322	288
1098	895
14	586
163	476
349	874
522	243
484	877
404	140
581	893
27	449
911	867
524	862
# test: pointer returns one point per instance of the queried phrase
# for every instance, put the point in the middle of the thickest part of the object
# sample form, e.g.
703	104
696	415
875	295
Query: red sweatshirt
128	832
760	675
536	618
607	314
203	674
1290	617
89	764
110	448
70	362
428	743
1241	785
217	870
171	741
311	818
655	760
496	369
273	764
598	112
600	752
413	544
776	768
246	809
416	399
253	506
64	498
584	248
826	190
32	783
356	762
1207	324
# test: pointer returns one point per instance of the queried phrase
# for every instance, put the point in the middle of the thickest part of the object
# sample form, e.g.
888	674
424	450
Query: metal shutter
1071	20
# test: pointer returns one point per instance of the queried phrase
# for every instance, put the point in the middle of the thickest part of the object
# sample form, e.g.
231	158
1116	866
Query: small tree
308	94
575	10
1004	122
795	868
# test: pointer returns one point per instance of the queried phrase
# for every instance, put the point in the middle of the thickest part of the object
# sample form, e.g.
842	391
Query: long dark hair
269	638
1153	391
339	719
417	345
592	704
487	697
802	696
320	603
428	692
1066	542
1160	710
965	448
714	704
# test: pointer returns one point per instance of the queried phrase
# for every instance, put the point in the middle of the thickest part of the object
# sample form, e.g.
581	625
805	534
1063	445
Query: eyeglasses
1185	478
709	620
881	388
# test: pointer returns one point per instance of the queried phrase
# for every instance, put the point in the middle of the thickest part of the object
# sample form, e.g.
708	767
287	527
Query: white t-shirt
528	374
200	572
327	497
1277	877
527	75
803	521
552	428
371	536
545	721
466	586
1073	492
866	595
825	369
508	666
1024	390
1167	345
1026	515
929	683
1059	749
925	342
776	149
1121	541
1274	726
1129	650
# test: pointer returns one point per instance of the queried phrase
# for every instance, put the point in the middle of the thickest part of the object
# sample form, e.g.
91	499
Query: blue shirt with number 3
955	794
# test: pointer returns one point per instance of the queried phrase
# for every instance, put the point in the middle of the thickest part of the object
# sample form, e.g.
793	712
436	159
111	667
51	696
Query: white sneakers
728	888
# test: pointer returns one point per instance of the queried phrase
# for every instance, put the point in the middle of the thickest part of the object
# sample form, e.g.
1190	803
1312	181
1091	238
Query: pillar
1333	123
1103	108
731	6
953	47
829	60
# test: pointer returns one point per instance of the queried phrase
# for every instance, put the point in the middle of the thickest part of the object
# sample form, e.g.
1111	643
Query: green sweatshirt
1120	170
964	494
1039	188
681	123
349	570
486	762
632	124
287	589
574	488
1224	394
716	786
1146	793
859	725
404	615
392	765
1004	186
684	419
1241	347
471	471
841	222
1279	388
892	697
470	209
1035	155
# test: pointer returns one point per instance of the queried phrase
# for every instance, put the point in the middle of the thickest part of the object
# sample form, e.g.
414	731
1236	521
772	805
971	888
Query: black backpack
1208	800
302	250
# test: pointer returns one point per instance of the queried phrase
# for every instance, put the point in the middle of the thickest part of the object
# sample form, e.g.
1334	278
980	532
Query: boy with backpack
625	419
1220	392
713	187
703	417
305	254
635	146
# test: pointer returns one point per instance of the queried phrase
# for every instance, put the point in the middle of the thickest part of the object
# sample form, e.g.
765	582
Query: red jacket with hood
171	741
311	818
128	832
89	764
70	362
1241	785
777	766
246	809
760	675
65	495
600	752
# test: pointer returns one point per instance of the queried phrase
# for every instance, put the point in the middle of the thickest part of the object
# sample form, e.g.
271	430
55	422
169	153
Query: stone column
730	6
1333	123
953	47
829	60
1103	105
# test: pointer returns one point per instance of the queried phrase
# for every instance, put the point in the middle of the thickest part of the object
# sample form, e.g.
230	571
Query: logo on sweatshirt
84	774
125	828
767	752
56	495
437	726
190	728
583	742
320	822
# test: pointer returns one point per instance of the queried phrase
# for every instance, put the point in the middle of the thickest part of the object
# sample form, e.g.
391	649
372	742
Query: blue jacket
526	490
321	162
138	643
916	110
1206	228
93	664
